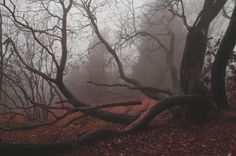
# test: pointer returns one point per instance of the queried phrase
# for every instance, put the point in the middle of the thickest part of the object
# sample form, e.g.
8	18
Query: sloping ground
217	138
57	133
51	134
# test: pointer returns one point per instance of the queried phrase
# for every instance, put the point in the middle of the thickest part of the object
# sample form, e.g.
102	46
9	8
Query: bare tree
192	61
196	102
195	47
59	33
161	49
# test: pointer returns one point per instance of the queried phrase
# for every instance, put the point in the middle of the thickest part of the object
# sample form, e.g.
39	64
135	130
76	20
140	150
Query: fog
143	59
98	51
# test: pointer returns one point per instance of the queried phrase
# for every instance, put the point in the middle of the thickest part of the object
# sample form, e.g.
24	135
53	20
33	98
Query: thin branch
149	89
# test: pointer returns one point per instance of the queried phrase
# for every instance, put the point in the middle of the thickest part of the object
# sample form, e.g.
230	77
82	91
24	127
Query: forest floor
217	138
214	138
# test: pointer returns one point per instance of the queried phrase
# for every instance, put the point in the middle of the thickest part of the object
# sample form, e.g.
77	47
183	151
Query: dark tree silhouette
195	100
221	60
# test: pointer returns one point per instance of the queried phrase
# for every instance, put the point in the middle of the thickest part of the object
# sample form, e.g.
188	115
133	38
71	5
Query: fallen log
198	107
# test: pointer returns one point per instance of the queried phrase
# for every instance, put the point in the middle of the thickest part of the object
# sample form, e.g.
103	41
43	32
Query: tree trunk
221	60
193	59
195	48
198	107
171	63
1	58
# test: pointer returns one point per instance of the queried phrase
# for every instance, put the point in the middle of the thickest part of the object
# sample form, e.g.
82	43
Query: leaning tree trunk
221	60
195	48
1	58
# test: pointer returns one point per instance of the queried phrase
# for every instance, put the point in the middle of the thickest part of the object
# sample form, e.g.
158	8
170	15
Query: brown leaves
214	138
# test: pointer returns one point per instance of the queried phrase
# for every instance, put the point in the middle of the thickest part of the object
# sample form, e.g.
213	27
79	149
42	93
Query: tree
191	67
1	58
97	67
27	92
195	100
160	51
195	47
59	34
221	60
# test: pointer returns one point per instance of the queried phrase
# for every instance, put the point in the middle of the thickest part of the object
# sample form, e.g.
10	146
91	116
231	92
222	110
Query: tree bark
195	48
1	58
221	60
198	106
192	61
